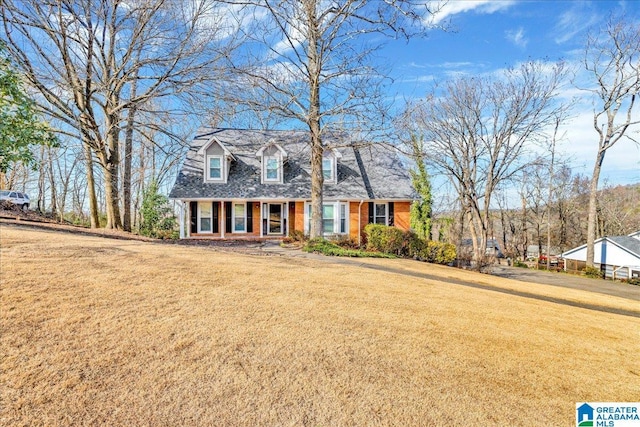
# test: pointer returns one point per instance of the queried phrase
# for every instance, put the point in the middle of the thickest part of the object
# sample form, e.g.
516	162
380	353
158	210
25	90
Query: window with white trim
380	213
204	220
334	218
327	168
239	218
271	169
214	167
327	219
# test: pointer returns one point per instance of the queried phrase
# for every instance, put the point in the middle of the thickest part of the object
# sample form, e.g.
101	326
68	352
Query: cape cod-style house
238	183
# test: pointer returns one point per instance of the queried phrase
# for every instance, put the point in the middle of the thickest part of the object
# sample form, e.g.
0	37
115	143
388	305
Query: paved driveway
571	281
563	280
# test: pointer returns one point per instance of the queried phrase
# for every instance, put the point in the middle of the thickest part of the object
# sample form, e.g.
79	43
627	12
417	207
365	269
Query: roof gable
627	248
213	140
371	172
630	244
272	144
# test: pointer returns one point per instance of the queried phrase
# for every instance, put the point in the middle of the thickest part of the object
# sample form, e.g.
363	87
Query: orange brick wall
353	218
401	211
298	220
257	218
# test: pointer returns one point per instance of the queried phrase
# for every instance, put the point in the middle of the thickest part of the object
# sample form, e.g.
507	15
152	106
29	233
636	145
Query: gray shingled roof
629	243
370	172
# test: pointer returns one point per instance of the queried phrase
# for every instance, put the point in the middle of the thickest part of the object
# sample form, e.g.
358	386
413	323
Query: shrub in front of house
412	244
327	247
385	239
436	252
393	241
346	242
440	252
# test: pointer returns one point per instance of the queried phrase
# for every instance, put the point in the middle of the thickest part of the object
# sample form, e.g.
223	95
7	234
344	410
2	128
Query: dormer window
272	169
329	165
217	161
327	168
272	160
215	167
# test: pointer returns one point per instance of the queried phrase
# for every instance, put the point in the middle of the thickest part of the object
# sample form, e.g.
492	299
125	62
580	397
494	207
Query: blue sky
487	35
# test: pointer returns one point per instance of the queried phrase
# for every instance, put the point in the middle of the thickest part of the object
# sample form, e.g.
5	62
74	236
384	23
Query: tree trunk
593	206
52	183
478	232
503	224
525	236
110	160
126	179
41	181
128	153
91	185
112	202
317	178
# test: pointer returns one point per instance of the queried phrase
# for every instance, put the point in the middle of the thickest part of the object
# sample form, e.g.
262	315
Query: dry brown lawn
108	332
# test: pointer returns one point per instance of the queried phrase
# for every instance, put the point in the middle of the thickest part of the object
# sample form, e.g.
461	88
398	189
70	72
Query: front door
275	218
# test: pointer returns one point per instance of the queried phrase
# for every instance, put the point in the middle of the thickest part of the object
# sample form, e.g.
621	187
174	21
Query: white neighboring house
617	256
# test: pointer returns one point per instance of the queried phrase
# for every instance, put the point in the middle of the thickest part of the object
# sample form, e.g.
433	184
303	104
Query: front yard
111	332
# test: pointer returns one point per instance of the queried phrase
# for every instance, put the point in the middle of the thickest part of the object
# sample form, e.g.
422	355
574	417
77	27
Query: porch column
285	214
261	219
221	219
181	216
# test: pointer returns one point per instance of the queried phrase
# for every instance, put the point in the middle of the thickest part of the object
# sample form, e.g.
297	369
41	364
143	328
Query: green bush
593	272
412	244
319	245
438	252
385	239
391	240
158	219
518	263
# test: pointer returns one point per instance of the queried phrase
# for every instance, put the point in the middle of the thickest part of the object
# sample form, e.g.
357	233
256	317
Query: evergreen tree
157	216
20	126
421	209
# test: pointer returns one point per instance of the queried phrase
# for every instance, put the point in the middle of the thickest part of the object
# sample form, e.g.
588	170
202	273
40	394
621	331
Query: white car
16	197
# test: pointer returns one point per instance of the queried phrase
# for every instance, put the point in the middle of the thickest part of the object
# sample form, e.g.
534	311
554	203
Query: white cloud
573	22
517	37
454	7
622	161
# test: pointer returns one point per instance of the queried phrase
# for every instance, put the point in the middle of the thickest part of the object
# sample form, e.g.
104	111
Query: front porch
236	219
278	218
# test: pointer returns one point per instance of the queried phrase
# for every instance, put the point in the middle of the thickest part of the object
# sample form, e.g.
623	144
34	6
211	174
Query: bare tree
82	56
612	59
311	64
480	131
553	141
